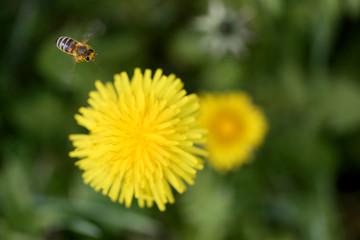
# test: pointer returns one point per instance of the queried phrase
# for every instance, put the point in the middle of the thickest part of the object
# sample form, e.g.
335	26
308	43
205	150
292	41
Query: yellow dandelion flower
235	127
143	138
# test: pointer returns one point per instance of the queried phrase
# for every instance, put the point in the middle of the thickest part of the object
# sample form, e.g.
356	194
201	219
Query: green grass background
302	69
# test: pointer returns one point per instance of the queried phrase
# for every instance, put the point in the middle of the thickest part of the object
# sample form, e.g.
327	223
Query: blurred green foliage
301	67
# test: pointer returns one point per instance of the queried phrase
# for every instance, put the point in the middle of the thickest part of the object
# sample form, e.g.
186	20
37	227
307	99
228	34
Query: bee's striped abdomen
65	44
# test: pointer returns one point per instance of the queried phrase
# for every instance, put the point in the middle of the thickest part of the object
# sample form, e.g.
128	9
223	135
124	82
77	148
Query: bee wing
96	27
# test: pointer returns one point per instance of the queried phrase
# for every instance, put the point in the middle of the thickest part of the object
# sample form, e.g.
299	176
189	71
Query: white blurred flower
225	29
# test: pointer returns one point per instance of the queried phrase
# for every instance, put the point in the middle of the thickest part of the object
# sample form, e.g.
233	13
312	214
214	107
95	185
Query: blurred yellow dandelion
143	138
235	127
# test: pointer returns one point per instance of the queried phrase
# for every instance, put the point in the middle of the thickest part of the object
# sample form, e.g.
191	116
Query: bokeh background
301	66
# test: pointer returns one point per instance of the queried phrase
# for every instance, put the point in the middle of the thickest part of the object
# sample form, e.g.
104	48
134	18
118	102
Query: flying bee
80	50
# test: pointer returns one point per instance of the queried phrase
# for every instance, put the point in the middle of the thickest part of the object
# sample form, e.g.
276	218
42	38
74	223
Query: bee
80	50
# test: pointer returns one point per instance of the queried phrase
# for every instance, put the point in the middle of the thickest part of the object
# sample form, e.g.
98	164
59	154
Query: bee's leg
74	66
70	74
96	64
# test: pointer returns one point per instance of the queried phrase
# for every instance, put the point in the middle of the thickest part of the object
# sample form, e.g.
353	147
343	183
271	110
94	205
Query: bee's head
90	55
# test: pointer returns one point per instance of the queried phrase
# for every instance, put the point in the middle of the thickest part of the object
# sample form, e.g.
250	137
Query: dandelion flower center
143	138
225	127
